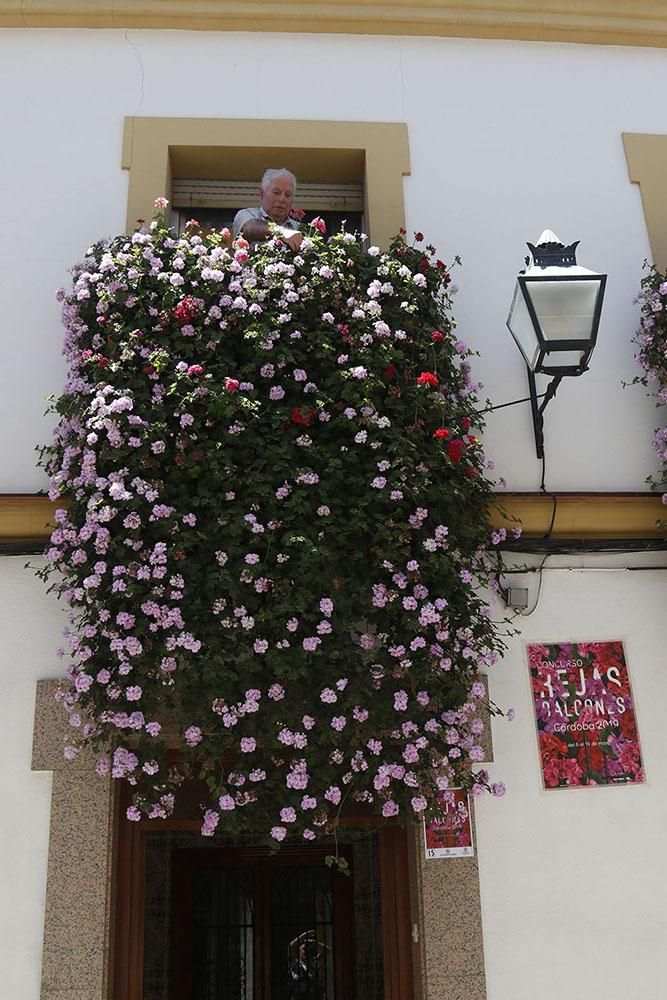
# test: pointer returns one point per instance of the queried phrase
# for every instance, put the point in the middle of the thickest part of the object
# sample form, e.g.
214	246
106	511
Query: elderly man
272	218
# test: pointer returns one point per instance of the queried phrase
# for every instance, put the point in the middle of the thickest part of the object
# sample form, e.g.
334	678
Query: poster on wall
585	713
451	836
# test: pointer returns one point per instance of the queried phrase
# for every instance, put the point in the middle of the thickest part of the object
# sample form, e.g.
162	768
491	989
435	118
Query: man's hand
255	230
293	238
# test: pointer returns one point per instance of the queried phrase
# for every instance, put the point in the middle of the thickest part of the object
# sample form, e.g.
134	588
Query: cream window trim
604	22
647	166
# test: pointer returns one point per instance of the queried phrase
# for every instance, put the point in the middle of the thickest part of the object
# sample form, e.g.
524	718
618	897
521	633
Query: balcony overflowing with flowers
276	531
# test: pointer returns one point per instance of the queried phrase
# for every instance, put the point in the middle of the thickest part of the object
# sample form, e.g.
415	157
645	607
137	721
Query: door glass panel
302	934
222	953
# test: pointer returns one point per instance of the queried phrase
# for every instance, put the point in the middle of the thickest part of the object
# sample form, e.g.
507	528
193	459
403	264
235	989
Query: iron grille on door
252	926
223	913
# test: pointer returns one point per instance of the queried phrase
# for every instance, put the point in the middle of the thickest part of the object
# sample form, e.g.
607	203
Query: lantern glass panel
563	359
521	328
565	309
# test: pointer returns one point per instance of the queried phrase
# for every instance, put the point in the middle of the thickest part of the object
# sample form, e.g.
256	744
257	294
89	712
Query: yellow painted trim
604	22
647	166
151	146
24	517
589	516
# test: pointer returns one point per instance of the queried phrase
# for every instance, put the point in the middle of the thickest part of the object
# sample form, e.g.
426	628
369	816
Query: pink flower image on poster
585	713
450	837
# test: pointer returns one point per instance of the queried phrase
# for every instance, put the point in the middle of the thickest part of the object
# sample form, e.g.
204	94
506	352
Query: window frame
376	153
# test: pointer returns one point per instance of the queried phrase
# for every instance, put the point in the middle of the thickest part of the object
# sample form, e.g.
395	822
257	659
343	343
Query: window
371	155
214	203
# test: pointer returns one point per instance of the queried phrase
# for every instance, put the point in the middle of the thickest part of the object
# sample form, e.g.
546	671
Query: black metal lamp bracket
538	419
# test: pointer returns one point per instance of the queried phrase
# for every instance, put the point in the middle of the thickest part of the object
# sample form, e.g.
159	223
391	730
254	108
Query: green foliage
278	527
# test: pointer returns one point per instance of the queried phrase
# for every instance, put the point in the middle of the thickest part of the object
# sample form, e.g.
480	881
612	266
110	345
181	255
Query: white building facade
514	126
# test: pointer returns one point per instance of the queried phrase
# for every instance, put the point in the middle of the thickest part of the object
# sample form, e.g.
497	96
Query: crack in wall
142	79
402	76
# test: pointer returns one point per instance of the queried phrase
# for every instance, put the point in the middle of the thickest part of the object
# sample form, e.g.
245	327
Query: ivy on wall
651	356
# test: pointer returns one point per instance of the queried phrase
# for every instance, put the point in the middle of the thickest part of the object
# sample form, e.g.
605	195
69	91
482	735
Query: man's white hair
272	172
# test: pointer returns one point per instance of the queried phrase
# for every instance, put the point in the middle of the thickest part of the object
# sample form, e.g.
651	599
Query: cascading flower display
651	339
277	528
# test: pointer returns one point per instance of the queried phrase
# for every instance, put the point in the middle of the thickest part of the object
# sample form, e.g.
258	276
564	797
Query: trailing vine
651	356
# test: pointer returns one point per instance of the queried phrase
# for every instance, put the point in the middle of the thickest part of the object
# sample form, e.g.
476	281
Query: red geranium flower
390	372
441	433
437	336
465	423
442	267
299	415
186	310
419	237
456	449
428	378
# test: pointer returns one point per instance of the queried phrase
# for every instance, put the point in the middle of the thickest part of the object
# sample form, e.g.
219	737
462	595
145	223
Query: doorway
225	919
232	921
249	925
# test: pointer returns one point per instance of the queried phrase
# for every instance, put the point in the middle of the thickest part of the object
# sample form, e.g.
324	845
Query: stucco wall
570	879
573	883
30	625
506	138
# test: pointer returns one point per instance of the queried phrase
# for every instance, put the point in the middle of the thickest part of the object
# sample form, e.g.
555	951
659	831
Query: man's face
277	197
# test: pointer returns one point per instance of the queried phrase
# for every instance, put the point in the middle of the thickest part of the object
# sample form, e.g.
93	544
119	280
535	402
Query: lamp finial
550	252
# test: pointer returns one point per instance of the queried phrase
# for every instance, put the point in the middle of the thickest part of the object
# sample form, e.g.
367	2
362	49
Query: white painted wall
506	138
573	881
30	626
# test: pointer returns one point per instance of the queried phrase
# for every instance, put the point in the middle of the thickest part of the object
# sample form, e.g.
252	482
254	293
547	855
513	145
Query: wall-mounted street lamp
554	318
